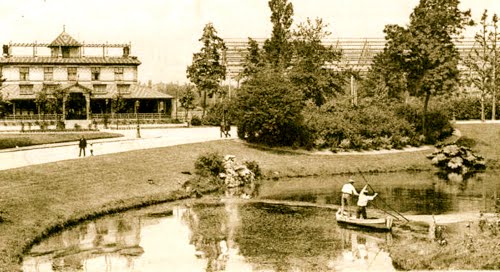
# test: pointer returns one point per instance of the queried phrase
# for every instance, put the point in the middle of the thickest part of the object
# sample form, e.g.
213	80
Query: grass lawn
11	140
39	199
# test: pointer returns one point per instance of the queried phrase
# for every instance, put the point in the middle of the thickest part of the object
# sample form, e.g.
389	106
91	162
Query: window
123	88
99	88
118	73
24	73
72	73
65	52
50	88
48	73
26	89
96	73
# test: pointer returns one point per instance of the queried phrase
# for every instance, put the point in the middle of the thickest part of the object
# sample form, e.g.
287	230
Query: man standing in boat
347	191
363	201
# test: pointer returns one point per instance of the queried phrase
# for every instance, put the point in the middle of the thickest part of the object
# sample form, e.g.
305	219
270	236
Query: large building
90	76
357	53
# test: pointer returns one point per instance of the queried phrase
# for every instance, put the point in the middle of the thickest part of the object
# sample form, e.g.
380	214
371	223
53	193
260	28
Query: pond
213	237
407	192
242	236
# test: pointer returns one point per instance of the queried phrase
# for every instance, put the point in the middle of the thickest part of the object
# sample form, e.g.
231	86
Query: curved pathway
150	138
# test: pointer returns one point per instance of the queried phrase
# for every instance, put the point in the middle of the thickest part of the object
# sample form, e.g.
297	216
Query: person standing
82	144
348	190
363	201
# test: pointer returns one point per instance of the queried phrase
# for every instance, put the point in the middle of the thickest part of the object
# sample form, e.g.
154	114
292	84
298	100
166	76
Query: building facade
91	79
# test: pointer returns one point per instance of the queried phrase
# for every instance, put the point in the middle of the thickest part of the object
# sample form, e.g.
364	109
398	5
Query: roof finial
64	28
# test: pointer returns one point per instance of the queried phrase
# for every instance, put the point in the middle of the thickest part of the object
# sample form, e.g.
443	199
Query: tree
208	69
310	58
187	101
480	62
269	110
386	78
253	60
424	50
277	49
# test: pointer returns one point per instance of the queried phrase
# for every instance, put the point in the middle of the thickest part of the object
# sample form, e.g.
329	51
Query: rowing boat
380	224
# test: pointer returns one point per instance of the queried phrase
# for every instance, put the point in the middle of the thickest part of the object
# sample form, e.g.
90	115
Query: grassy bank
467	246
40	198
11	140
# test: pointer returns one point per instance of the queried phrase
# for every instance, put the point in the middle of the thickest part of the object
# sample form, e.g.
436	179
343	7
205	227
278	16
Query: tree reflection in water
217	236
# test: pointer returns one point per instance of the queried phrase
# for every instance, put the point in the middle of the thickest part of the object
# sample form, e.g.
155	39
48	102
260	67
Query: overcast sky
164	33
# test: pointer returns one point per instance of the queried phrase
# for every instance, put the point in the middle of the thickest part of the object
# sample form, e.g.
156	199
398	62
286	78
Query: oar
382	198
384	210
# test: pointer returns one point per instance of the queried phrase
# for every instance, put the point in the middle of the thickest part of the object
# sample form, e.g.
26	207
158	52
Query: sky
164	33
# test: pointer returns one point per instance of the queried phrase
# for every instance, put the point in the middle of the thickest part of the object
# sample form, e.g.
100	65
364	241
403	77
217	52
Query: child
91	149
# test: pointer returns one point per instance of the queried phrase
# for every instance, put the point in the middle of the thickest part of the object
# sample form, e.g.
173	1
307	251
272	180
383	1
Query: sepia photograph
249	135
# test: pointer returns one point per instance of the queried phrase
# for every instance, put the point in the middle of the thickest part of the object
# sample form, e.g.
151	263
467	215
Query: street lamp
137	118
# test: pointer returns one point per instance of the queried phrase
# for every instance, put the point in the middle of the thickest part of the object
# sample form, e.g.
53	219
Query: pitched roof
131	60
64	39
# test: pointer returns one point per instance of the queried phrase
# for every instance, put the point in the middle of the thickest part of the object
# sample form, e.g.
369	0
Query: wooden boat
378	224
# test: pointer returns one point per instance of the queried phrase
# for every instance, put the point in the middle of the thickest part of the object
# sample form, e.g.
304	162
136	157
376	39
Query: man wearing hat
347	191
363	201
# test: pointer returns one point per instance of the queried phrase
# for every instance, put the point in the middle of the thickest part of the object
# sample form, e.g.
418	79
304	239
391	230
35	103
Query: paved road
150	138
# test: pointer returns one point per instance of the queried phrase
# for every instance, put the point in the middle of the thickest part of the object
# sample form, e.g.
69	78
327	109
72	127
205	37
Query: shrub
270	111
254	167
210	164
77	126
456	163
196	121
60	125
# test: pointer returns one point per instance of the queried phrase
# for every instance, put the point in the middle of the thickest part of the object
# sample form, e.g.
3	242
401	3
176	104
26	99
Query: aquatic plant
456	163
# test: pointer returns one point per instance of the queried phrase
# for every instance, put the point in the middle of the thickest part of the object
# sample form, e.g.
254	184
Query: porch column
87	108
173	112
14	108
63	108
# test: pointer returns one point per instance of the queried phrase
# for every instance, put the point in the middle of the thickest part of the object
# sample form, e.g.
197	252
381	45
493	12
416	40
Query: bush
60	125
254	167
216	112
210	164
437	121
196	121
270	111
457	163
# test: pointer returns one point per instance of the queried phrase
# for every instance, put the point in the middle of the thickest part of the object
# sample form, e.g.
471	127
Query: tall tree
253	59
208	69
386	78
309	72
480	62
278	48
495	79
425	50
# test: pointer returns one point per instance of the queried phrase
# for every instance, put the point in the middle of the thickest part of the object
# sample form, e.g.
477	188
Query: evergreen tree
208	69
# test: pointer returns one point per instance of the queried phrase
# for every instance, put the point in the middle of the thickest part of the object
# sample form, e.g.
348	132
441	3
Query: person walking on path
363	201
347	191
82	144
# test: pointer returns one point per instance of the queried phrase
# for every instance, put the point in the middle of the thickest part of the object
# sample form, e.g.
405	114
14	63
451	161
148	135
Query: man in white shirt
363	201
347	191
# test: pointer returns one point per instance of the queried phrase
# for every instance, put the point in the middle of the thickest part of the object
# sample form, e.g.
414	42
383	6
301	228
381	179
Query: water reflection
409	192
213	237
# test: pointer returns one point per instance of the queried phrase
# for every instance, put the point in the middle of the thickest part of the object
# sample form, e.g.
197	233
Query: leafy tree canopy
208	69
